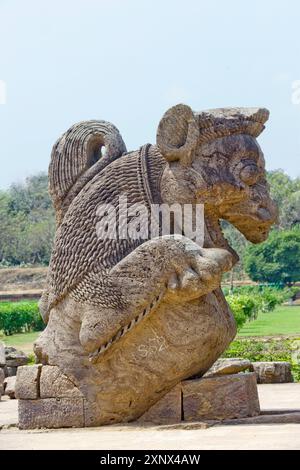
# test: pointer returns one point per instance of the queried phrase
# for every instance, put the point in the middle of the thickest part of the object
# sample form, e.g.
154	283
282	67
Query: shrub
19	317
271	350
247	301
243	306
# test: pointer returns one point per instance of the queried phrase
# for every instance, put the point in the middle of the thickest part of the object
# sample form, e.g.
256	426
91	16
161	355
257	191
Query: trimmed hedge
20	317
247	301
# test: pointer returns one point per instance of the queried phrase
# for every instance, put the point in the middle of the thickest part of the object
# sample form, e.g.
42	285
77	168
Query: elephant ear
177	134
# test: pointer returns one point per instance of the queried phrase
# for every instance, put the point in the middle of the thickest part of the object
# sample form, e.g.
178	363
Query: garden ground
284	320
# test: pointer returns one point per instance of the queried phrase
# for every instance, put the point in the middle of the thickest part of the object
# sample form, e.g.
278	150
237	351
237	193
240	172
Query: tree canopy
26	222
277	260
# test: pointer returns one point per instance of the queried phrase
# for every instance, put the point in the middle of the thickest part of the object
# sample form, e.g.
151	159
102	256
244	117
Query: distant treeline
27	223
285	191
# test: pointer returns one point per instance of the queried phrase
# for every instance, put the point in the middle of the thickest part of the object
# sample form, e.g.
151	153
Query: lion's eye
249	174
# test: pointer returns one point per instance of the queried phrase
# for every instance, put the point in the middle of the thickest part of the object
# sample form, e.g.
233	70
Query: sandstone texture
273	372
2	354
28	382
228	366
220	398
167	410
133	309
51	412
15	358
9	386
2	377
55	384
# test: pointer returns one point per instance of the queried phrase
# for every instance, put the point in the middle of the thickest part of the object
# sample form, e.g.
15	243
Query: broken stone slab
9	386
167	410
220	398
28	382
273	372
2	354
51	413
225	366
15	358
2	377
53	383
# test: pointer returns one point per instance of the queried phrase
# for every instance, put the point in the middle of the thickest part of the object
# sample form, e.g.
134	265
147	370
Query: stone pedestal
168	410
220	398
48	399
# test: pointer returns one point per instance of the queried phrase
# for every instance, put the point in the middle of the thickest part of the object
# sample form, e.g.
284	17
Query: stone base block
167	410
27	382
273	372
219	398
51	413
49	399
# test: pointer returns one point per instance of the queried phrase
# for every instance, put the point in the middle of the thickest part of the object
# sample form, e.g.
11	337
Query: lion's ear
177	134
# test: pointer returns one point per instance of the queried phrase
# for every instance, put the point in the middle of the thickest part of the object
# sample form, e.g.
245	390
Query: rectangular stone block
9	386
219	398
166	411
2	377
27	382
51	413
55	384
2	354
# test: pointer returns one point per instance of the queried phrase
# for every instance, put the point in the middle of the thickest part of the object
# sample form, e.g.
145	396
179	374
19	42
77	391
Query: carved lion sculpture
129	318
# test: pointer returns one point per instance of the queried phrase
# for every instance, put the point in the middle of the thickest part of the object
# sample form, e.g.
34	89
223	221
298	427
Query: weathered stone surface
228	366
55	384
167	410
130	316
10	371
219	398
51	412
2	354
9	386
27	382
276	418
15	358
2	377
273	372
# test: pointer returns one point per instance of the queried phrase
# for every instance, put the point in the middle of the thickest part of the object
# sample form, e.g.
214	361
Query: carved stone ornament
129	317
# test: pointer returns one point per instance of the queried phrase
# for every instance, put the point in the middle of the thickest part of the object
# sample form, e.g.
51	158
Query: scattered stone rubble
10	360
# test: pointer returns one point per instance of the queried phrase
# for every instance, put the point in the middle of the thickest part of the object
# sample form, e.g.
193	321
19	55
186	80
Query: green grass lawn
23	341
284	320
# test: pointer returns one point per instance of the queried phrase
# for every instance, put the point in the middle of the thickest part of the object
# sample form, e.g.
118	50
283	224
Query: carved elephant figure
128	318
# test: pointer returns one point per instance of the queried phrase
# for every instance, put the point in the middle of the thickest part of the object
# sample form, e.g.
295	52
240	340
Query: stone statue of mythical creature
130	317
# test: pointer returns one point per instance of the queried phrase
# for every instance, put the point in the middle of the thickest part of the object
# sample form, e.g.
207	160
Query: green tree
285	191
26	222
277	260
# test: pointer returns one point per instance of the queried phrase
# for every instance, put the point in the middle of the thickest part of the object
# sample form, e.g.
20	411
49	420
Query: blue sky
127	61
